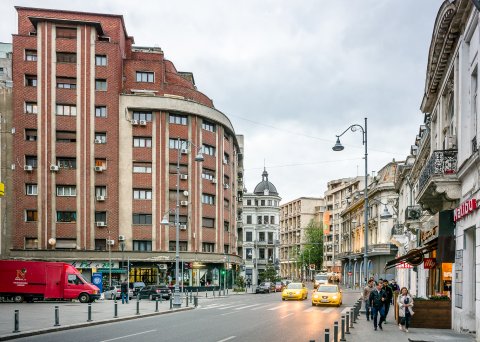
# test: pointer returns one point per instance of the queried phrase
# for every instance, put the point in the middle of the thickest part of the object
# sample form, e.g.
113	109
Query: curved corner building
98	125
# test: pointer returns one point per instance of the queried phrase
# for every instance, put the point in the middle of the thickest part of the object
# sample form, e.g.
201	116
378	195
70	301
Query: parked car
265	287
137	286
153	292
115	292
279	286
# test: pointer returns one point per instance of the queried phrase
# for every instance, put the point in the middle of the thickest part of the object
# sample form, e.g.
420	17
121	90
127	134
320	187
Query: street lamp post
339	147
177	301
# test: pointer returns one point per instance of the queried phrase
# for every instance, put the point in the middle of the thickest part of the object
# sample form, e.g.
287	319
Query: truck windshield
321	277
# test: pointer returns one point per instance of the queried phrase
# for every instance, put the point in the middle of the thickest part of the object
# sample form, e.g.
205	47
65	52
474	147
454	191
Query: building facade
261	222
106	141
295	216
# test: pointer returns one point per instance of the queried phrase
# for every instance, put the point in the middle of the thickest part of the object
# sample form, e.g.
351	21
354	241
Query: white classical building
261	222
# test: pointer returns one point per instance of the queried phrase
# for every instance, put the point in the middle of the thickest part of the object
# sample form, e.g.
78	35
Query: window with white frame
101	84
66	83
177	119
66	216
31	108
248	253
208	174
67	163
142	194
142	219
66	190
101	111
31	189
31	215
176	144
31	55
208	149
208	199
66	110
31	80
138	115
100	137
142	142
139	167
226	158
208	126
30	134
248	236
142	245
145	76
208	247
100	60
101	190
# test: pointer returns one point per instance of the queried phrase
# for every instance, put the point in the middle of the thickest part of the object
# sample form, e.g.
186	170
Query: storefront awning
114	270
412	255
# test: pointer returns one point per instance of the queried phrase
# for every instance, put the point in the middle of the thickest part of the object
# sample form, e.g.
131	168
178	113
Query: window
31	108
142	194
208	174
31	80
209	150
100	60
272	219
31	161
248	236
226	249
100	244
101	162
142	167
101	111
100	216
226	203
31	189
261	236
265	219
67	244
142	142
30	134
208	199
262	203
101	84
249	202
259	220
142	219
208	222
147	116
66	57
183	246
66	136
66	83
66	110
261	253
208	247
66	190
31	216
182	219
248	253
226	158
226	226
31	55
173	169
269	203
177	119
208	126
270	237
144	76
31	243
142	245
100	137
176	144
66	216
67	163
101	190
66	32
249	219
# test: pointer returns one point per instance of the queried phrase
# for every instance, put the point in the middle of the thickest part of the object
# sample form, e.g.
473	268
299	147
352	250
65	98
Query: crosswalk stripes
247	306
237	306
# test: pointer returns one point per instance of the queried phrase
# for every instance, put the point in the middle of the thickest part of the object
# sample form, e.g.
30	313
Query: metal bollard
156	304
347	324
351	319
171	303
197	291
195	301
206	294
327	335
138	308
186	304
16	324
354	316
89	318
191	295
342	329
57	317
115	310
335	331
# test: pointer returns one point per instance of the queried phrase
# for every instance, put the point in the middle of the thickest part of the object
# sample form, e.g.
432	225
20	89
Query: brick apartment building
97	125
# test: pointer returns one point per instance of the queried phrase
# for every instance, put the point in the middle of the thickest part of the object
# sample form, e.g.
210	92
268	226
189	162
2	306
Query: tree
270	274
312	251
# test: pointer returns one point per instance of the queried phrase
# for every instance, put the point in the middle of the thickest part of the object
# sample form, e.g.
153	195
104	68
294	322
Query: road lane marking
212	306
229	306
260	307
328	310
244	307
309	310
291	313
229	313
128	336
227	339
276	308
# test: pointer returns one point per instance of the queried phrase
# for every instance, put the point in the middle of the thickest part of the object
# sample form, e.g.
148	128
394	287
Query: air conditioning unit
143	122
184	203
98	141
54	168
184	151
28	168
226	186
110	242
413	213
134	122
214	181
121	238
99	168
225	161
183	176
101	224
100	198
183	227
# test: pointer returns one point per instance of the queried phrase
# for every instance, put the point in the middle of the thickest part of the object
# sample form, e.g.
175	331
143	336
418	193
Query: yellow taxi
295	291
328	294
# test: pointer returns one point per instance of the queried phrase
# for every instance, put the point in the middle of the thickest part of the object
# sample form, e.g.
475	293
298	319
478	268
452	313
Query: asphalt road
251	317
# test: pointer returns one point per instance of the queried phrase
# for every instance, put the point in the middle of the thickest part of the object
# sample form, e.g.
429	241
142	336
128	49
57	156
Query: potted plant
434	312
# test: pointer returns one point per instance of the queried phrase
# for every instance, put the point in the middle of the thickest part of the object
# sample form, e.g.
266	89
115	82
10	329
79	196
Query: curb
87	324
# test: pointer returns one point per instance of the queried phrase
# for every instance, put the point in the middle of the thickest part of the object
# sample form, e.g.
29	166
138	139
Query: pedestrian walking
405	312
389	292
124	291
377	303
366	298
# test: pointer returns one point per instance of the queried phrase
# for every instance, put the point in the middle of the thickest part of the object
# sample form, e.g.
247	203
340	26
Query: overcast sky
291	75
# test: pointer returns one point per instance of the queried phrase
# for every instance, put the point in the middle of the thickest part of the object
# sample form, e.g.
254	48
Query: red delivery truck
38	280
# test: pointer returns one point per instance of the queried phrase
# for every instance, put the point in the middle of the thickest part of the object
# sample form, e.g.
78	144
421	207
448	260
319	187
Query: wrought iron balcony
438	184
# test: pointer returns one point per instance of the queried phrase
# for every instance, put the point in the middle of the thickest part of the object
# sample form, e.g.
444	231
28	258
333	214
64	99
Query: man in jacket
389	292
366	298
377	303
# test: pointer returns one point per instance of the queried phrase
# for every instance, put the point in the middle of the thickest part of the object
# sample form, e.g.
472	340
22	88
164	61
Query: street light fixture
339	147
181	144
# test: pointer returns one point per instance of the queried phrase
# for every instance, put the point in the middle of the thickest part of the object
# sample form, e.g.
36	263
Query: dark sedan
153	292
265	287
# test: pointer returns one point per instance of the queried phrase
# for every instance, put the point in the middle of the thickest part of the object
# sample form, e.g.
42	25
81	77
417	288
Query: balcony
438	184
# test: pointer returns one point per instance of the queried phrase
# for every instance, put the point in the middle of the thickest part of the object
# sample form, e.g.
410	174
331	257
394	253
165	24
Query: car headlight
315	296
335	297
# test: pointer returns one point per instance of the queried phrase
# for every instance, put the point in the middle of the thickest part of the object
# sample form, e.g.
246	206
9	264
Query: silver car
115	292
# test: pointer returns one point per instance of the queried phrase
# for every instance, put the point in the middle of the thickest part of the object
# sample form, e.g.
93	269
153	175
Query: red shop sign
464	209
403	265
429	263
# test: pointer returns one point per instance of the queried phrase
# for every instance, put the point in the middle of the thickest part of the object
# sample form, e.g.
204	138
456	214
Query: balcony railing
441	162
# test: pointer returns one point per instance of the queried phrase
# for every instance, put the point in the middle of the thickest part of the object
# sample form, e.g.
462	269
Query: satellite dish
52	241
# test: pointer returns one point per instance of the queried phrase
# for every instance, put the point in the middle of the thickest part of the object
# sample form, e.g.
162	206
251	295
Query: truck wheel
84	298
18	298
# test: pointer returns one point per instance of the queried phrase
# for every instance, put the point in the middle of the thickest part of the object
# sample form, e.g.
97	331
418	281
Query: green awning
114	270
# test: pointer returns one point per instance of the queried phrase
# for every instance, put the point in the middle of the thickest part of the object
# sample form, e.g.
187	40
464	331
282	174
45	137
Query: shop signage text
465	209
93	264
404	265
429	263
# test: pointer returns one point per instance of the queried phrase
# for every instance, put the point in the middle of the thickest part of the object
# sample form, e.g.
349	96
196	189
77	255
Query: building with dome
259	235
